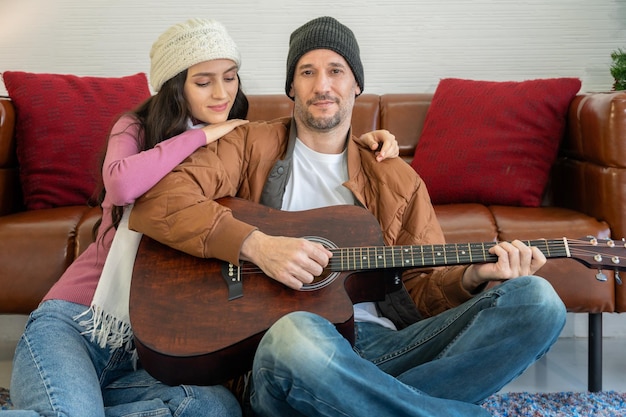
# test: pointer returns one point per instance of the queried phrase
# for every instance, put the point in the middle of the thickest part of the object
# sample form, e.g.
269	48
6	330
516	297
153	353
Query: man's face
324	89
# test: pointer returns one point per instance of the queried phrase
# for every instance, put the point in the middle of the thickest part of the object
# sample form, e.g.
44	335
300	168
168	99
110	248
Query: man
439	348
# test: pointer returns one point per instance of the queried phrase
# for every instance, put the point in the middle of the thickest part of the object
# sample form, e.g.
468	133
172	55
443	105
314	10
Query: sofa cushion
62	125
492	142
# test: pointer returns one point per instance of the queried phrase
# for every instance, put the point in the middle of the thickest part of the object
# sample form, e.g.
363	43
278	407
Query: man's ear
358	90
291	92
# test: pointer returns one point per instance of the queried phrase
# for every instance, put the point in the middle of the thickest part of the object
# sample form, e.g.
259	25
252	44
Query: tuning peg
600	276
618	279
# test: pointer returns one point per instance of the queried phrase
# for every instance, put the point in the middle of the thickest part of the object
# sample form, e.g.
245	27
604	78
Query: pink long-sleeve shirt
127	173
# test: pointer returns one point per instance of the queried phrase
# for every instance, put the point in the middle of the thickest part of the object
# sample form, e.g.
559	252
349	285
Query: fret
438	257
466	255
476	251
371	256
428	255
407	256
481	252
547	250
396	257
412	255
392	259
351	265
341	259
365	258
406	261
445	250
364	264
423	261
351	262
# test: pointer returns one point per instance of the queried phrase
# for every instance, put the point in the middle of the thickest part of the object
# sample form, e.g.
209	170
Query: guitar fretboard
411	256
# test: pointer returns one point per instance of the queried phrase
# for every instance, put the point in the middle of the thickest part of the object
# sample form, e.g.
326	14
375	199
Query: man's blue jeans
441	366
57	371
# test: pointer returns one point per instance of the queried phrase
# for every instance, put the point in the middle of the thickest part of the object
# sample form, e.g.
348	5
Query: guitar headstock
600	253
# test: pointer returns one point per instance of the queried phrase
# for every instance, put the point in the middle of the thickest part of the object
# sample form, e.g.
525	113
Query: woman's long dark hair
161	117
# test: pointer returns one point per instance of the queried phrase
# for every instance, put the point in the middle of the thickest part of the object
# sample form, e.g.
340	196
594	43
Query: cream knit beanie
186	44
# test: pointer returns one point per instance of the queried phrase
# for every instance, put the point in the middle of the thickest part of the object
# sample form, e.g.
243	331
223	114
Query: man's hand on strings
291	261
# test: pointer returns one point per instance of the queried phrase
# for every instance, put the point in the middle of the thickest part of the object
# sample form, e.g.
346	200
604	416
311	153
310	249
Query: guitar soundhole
328	275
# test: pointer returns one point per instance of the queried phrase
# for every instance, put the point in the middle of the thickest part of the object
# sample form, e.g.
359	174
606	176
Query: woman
76	356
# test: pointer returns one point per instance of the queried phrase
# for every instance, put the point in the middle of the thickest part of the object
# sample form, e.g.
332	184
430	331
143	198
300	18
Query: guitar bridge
232	275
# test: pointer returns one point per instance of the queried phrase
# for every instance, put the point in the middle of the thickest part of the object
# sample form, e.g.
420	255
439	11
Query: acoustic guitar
199	321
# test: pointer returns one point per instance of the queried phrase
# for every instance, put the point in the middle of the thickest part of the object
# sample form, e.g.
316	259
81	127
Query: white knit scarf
109	321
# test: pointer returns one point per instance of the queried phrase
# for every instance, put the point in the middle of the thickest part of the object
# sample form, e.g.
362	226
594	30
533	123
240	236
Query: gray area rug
557	404
523	404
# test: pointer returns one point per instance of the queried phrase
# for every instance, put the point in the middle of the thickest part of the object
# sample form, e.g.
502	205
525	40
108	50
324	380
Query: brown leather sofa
586	196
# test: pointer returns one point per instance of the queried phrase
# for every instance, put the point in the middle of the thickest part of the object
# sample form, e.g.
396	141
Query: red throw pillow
63	122
492	142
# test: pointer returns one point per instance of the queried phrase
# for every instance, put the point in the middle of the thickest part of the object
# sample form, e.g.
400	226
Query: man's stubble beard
320	124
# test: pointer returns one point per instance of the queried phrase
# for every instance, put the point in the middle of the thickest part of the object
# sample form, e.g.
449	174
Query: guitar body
188	331
199	321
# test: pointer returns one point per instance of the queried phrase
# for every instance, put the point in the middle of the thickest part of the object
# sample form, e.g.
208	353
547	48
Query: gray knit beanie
186	44
324	33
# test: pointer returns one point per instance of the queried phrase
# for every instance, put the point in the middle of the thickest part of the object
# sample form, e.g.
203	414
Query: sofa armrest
590	173
36	247
10	190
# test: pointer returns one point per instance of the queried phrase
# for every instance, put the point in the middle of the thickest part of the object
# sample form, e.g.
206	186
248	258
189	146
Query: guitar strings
350	258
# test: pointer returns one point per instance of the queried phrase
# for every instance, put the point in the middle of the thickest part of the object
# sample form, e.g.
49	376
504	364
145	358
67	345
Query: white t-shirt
317	181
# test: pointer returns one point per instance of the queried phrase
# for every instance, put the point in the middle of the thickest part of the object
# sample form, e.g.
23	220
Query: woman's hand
215	131
374	139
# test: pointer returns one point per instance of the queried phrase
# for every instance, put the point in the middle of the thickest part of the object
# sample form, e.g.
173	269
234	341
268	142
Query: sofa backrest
371	112
592	155
401	114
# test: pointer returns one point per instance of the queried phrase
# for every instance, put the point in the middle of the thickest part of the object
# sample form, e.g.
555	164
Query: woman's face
210	89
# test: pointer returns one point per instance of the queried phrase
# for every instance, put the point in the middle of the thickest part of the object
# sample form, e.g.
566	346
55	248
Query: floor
564	368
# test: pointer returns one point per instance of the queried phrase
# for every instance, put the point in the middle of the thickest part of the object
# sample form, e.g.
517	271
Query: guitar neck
414	256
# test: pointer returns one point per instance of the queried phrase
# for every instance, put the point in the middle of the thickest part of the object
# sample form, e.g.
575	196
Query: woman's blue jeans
57	371
445	365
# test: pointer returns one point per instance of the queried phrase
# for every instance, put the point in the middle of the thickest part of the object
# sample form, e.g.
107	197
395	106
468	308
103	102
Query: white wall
407	45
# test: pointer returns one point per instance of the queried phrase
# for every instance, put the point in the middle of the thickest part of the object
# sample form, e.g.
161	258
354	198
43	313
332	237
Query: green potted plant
618	69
